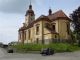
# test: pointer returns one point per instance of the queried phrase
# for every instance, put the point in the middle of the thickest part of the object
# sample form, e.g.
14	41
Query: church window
20	34
37	40
55	36
47	25
37	30
25	35
67	28
29	32
53	27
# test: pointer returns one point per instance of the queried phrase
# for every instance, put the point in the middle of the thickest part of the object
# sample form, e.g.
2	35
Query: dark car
47	51
10	50
4	46
1	44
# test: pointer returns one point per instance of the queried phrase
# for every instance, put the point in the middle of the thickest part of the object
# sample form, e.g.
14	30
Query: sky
12	14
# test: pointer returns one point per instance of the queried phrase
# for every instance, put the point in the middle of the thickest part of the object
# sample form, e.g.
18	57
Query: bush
57	47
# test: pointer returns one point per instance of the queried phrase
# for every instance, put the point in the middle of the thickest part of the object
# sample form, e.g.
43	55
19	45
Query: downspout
42	33
58	30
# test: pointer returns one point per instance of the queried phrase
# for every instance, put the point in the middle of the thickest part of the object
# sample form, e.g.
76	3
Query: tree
75	16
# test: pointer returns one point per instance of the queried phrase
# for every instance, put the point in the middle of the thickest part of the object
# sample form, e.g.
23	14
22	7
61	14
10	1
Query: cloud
9	25
14	6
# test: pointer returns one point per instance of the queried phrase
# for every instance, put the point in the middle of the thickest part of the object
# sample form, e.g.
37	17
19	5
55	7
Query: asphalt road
58	56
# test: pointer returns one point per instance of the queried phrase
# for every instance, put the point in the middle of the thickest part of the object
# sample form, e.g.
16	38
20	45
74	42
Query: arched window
29	32
37	40
25	35
68	28
37	30
53	27
55	36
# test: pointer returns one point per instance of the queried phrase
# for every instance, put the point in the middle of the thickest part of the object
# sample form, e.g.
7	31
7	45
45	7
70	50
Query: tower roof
29	11
50	11
30	6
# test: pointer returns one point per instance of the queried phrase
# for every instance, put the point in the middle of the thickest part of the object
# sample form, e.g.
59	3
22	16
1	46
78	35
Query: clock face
32	17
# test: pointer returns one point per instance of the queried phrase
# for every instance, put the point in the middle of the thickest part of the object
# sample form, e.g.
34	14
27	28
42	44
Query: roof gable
58	14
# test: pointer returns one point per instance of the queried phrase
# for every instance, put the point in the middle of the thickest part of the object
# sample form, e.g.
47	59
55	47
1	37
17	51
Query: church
55	27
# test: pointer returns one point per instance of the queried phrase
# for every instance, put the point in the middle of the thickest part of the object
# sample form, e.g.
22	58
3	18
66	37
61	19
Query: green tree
75	16
73	37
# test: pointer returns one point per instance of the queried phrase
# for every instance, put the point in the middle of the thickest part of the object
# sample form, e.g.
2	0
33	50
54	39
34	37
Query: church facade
45	29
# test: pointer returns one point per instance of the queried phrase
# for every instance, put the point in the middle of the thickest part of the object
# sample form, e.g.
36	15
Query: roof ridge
58	14
58	11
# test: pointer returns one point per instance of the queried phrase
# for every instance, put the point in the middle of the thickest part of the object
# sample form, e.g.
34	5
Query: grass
57	47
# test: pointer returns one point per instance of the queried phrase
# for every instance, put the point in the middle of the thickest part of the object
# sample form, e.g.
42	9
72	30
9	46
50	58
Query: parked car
1	44
10	50
4	46
47	51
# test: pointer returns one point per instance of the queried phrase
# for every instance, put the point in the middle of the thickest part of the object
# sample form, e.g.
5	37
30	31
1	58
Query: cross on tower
30	2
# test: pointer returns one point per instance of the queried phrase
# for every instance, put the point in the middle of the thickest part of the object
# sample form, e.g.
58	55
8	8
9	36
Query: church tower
29	16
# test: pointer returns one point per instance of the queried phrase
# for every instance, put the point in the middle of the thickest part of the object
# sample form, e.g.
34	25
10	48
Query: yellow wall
44	33
40	30
26	20
62	29
33	35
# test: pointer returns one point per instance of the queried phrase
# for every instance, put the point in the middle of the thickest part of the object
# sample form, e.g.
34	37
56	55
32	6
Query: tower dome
29	11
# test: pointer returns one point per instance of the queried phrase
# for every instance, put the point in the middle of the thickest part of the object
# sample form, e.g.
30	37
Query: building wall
21	37
33	35
62	29
45	34
48	36
26	20
56	25
38	36
46	31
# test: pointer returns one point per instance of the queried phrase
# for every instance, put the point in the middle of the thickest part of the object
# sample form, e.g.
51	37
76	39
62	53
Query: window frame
37	29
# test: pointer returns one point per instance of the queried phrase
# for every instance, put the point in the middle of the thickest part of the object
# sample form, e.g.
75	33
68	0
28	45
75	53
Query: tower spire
50	11
30	2
30	10
30	6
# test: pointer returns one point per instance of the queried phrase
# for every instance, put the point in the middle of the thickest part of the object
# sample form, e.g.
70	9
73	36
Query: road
58	56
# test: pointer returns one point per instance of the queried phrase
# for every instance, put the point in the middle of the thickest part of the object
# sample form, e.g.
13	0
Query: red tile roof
57	15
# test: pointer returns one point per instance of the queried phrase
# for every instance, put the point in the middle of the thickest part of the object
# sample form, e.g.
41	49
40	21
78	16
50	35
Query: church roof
57	15
43	17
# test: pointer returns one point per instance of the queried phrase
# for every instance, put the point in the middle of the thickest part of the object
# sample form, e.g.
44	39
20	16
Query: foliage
57	47
75	16
73	37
